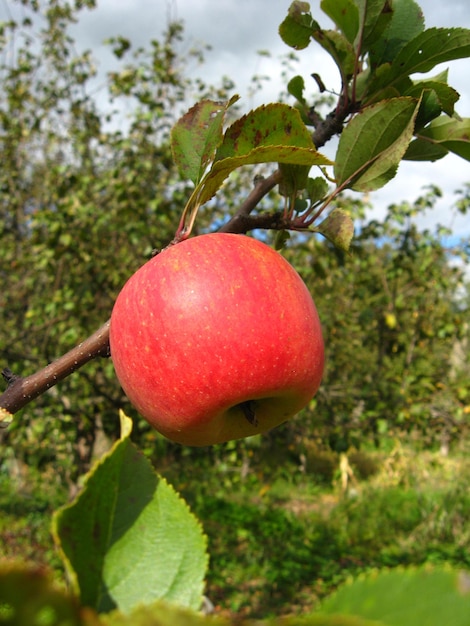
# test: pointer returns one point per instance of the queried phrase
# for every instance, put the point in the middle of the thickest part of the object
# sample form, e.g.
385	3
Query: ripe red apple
216	338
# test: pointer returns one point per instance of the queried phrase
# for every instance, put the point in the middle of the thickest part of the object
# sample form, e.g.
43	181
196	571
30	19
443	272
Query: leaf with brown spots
268	125
196	135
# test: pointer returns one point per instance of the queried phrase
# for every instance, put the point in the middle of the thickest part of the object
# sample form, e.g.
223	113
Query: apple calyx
248	408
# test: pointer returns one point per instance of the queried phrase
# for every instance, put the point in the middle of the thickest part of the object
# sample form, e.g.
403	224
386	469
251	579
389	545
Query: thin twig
22	390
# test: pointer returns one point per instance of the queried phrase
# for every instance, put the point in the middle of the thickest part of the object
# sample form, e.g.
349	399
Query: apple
216	338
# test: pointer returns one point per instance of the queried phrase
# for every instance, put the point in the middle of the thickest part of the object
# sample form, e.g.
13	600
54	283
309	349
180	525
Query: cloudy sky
237	29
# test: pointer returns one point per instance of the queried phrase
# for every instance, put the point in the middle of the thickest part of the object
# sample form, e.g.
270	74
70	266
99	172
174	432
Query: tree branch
22	390
241	222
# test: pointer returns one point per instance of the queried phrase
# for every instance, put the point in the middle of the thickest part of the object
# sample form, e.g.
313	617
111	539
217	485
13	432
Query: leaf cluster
378	46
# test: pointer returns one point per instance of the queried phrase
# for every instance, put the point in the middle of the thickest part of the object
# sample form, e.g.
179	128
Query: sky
237	29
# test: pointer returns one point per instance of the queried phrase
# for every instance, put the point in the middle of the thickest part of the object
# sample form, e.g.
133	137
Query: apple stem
248	408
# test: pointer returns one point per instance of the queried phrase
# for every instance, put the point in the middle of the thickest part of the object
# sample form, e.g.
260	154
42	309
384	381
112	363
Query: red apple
216	338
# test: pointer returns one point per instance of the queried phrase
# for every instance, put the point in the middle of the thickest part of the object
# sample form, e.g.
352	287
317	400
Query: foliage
395	330
83	205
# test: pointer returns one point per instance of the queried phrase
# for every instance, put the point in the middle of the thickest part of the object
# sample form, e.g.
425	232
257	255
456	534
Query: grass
281	539
26	507
280	542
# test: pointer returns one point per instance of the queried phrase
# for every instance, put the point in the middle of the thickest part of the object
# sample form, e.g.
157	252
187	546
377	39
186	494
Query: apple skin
216	338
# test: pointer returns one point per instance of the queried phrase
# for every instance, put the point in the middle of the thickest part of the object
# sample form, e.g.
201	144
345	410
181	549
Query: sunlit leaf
5	418
128	538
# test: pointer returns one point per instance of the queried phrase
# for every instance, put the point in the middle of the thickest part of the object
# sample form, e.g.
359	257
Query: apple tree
128	541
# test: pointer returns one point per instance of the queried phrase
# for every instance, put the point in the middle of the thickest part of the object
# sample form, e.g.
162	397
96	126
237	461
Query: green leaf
316	189
164	615
421	150
271	133
436	94
409	597
161	614
345	14
373	143
296	88
449	133
268	125
128	538
428	49
422	54
6	418
338	228
282	237
407	21
196	136
339	48
264	154
437	97
374	17
297	28
294	178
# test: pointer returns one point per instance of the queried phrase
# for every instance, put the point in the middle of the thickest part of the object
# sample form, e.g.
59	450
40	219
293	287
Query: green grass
280	540
26	509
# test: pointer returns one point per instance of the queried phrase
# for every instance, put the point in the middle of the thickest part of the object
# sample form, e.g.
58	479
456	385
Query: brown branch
22	390
241	222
